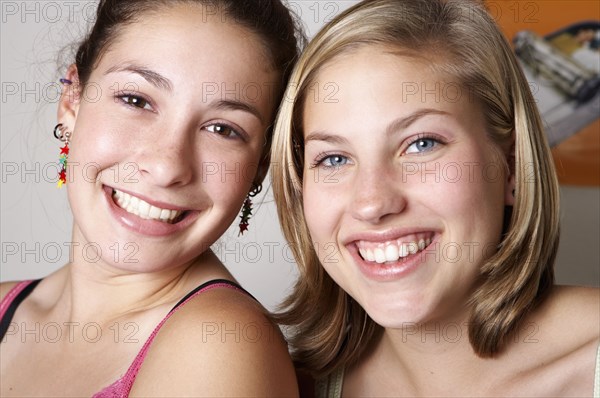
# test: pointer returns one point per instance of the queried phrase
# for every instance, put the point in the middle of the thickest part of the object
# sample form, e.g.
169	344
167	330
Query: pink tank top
122	386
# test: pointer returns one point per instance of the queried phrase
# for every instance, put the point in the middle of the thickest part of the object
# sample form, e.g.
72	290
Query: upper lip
156	203
385	235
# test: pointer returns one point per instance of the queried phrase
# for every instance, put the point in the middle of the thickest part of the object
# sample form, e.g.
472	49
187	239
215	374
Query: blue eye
423	144
223	130
333	161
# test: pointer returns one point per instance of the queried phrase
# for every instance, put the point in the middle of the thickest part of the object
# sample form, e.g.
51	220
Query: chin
397	314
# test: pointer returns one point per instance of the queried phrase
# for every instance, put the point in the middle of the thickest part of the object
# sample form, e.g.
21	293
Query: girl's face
403	191
167	138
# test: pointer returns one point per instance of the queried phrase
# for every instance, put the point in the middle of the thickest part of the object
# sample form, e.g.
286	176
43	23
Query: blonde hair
330	329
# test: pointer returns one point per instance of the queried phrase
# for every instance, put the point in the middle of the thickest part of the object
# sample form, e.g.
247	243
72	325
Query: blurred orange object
577	159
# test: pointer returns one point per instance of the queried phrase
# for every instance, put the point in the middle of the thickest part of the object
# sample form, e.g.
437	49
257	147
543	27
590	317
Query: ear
263	168
68	105
510	183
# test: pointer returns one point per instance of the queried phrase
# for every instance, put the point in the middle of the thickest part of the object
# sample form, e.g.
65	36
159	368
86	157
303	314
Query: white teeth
154	212
413	248
133	203
379	255
393	251
119	200
370	255
363	253
165	215
403	252
143	209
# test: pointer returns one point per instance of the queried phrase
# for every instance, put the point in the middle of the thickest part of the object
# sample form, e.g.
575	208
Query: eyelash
423	137
238	133
123	98
323	156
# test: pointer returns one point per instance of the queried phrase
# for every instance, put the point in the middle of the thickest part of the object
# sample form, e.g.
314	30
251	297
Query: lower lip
390	271
143	226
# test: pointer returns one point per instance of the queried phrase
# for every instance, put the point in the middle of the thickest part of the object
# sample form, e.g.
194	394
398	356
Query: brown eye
135	101
223	130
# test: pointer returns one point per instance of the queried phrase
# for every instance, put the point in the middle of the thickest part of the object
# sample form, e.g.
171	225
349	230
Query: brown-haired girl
169	320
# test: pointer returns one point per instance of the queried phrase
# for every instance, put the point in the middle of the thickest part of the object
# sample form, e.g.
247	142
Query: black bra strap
210	283
10	311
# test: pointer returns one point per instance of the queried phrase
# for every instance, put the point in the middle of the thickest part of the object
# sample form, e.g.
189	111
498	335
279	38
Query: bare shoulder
567	321
572	311
6	287
221	343
554	352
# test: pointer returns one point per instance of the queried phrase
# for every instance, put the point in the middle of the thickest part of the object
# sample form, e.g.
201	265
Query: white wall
35	217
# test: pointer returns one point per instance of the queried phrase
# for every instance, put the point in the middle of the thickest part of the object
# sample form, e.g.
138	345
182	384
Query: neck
96	292
433	356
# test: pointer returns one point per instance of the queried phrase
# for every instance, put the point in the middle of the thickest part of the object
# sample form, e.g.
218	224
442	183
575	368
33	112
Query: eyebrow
398	124
159	81
152	77
236	105
405	122
322	136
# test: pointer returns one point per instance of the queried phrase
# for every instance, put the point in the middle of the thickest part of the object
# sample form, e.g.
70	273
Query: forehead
381	66
371	82
192	49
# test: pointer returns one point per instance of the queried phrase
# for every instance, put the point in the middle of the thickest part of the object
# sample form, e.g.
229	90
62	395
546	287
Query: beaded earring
247	209
61	133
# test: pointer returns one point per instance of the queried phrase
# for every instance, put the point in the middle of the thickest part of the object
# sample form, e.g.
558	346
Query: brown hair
330	329
269	19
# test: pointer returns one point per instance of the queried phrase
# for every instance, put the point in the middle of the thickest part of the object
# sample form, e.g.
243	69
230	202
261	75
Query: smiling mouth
393	250
145	210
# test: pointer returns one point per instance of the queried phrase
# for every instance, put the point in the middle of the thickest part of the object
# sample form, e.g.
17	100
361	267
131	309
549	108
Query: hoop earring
61	133
247	209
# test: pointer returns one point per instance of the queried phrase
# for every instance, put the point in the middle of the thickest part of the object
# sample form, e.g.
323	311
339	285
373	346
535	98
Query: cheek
98	138
226	175
317	213
471	199
468	181
323	214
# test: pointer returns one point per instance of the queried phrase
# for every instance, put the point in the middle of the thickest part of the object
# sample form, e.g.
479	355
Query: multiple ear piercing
61	133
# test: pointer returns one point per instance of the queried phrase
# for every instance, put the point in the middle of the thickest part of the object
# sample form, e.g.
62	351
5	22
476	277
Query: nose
377	194
168	158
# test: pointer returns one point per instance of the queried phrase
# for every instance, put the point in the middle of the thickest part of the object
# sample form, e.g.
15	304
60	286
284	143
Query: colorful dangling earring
247	209
61	133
